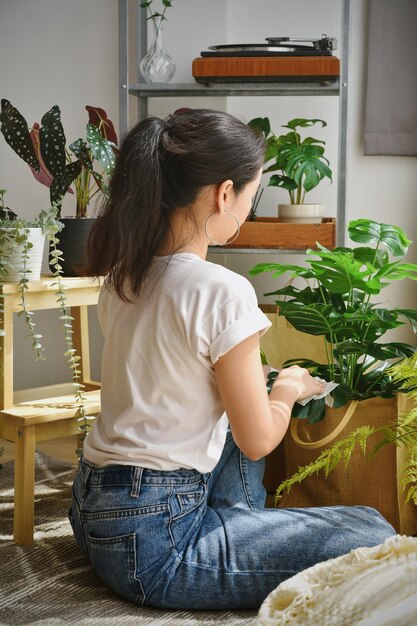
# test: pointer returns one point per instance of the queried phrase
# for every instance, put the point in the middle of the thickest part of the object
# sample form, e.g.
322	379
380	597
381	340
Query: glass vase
157	66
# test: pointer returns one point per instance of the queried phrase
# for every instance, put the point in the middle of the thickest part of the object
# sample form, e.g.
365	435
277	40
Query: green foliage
329	458
156	16
14	236
83	420
14	232
44	149
337	305
301	163
402	432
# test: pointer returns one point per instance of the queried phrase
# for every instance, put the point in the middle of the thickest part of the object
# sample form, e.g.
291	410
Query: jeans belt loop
87	469
136	483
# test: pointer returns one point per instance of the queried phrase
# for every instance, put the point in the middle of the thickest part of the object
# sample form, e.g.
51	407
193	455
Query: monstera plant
336	452
297	165
342	302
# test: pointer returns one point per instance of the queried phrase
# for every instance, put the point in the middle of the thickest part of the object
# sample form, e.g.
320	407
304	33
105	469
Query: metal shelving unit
143	91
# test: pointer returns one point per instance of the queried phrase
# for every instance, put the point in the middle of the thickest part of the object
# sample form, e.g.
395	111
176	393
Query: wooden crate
269	232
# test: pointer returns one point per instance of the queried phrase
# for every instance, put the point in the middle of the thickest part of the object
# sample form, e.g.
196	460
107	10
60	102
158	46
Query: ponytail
162	166
131	224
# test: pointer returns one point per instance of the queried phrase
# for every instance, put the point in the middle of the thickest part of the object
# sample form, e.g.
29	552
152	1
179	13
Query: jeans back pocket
114	559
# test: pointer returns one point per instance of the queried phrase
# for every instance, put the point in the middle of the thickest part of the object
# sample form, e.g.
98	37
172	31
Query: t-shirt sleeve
233	320
243	327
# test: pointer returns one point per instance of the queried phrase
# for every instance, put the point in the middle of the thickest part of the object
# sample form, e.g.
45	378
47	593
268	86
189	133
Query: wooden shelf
270	232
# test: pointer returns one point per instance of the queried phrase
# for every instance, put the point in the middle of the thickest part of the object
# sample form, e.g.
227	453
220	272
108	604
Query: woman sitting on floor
168	501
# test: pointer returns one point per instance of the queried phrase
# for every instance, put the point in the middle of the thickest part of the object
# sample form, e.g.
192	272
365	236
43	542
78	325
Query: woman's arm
258	421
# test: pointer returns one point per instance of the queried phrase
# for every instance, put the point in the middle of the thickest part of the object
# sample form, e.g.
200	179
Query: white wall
66	53
53	52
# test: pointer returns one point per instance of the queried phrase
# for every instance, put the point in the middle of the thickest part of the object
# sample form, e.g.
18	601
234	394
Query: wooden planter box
269	232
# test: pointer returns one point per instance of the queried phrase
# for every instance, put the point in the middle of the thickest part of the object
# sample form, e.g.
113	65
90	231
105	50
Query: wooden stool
28	422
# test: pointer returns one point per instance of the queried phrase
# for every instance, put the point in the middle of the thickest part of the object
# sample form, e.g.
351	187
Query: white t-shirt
161	408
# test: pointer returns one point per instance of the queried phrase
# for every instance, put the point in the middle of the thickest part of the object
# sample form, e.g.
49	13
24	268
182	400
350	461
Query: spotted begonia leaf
52	142
16	132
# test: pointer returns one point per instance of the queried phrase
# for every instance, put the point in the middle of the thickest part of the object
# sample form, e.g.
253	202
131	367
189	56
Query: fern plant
402	432
329	458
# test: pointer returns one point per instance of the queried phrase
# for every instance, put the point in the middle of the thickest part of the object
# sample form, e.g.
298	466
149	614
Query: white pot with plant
301	166
22	244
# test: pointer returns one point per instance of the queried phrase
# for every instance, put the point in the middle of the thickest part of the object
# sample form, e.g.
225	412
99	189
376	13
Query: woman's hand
299	381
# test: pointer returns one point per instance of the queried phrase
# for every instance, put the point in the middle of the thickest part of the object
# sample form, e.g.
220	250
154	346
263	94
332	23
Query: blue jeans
181	539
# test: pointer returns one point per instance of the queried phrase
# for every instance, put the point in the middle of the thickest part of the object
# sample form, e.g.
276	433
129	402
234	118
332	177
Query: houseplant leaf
42	175
303	123
101	148
98	118
368	231
315	319
52	142
16	132
312	412
61	183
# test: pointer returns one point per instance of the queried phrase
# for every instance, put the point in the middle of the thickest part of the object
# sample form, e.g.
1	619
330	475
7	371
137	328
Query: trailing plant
14	232
84	421
87	163
339	304
300	162
14	236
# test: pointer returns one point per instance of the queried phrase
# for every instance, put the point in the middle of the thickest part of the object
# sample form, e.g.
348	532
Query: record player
280	59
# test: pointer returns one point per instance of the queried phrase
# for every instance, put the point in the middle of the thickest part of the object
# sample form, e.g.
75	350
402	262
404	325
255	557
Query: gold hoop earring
216	243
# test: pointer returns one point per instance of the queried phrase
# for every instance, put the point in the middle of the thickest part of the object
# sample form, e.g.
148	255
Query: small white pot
301	213
34	261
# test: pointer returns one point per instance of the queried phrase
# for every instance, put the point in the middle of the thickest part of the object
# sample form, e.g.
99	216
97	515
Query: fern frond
403	431
329	458
405	372
409	477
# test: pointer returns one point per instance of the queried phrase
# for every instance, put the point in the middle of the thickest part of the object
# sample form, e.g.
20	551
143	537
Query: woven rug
50	583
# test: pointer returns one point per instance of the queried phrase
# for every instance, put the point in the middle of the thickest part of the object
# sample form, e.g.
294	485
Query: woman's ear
224	195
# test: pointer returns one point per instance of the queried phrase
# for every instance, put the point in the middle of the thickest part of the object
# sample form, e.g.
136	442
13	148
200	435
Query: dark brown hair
162	166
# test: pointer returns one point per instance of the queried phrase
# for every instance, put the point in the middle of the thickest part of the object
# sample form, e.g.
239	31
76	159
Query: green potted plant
342	303
85	163
301	166
21	251
22	245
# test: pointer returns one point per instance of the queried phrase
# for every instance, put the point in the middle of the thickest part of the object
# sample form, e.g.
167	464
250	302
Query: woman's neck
183	236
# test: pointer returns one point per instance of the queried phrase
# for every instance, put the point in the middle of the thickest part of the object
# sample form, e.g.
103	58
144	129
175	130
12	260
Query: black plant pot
73	240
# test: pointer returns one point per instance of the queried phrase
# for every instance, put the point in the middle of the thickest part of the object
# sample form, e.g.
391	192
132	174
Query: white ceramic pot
301	213
34	261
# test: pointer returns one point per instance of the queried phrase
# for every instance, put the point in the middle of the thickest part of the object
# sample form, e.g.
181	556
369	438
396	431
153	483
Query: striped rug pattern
50	583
